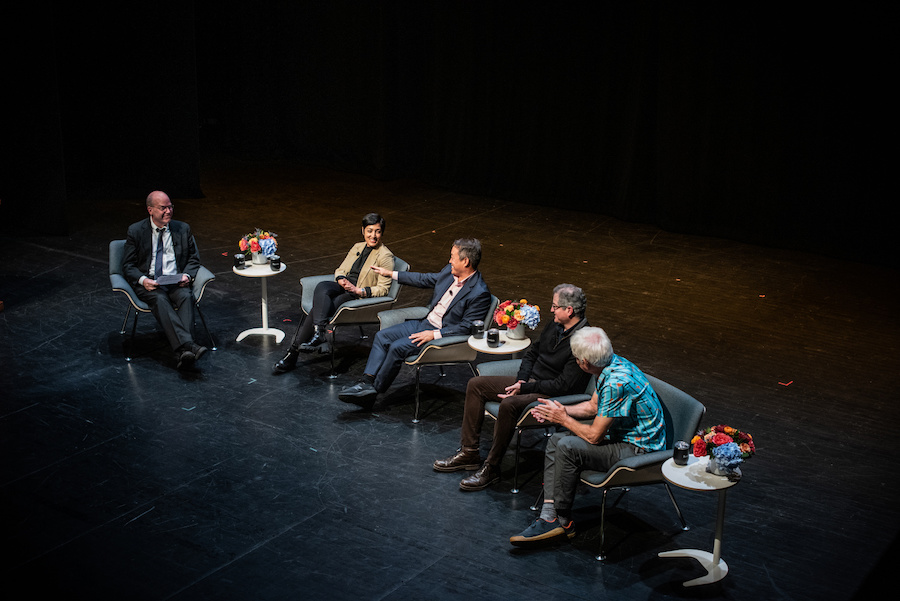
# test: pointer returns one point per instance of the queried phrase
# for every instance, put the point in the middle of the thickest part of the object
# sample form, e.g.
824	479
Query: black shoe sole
281	369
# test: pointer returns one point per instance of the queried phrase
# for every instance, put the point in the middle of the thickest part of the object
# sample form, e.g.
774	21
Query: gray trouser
567	455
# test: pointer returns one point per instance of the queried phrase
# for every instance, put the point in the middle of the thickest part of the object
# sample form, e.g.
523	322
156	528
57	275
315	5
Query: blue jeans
390	348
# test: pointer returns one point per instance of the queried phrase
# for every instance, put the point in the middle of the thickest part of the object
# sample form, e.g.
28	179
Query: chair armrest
394	316
365	302
448	340
308	288
527	420
120	284
204	277
643	460
506	367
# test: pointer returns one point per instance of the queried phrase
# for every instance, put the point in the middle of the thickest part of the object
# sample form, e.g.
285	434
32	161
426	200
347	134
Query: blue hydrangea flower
728	455
267	246
530	316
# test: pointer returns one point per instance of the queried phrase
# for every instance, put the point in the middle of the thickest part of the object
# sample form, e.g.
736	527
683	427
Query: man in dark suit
155	249
460	297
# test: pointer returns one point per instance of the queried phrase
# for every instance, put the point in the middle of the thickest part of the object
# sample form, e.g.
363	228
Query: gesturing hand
550	411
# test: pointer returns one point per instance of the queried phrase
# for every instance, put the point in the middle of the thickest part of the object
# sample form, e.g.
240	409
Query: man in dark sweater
547	370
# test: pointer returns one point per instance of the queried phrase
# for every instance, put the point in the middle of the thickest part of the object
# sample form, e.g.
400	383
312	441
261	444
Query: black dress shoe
481	479
463	459
288	362
186	360
318	338
198	350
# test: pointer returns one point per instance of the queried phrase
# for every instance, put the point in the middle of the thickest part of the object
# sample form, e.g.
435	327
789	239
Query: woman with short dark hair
354	278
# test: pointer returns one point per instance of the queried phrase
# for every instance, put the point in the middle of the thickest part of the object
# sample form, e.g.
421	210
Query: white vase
732	473
516	333
259	259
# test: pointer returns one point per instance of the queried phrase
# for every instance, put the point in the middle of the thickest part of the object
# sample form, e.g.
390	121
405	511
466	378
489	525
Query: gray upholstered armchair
526	421
120	284
450	350
683	414
359	312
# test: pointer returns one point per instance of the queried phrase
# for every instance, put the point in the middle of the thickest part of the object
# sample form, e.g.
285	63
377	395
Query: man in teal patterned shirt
627	421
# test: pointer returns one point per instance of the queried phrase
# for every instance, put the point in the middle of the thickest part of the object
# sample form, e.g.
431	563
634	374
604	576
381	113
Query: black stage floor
135	481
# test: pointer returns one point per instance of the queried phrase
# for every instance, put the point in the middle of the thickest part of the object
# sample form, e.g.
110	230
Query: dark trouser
567	455
480	390
390	348
173	308
327	297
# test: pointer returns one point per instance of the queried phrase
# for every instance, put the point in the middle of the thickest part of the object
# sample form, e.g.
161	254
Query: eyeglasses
166	208
555	307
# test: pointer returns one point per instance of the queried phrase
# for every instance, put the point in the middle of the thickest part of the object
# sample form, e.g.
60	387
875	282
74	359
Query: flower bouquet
260	243
727	448
511	314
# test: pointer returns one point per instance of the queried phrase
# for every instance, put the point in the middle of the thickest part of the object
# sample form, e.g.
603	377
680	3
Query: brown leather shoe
464	459
484	477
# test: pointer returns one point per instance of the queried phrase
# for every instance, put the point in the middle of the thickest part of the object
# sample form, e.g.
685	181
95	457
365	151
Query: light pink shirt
436	316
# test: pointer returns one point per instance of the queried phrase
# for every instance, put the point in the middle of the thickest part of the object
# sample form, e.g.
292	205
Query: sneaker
361	393
542	530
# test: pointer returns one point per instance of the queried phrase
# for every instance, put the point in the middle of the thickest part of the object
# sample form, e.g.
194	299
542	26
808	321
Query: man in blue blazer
160	246
460	298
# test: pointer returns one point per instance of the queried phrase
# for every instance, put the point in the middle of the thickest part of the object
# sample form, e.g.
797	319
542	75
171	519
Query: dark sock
368	379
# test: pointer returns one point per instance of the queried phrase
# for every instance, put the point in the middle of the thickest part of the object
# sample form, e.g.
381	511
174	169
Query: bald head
160	208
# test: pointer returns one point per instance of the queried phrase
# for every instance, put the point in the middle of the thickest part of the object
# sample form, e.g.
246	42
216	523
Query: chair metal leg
684	525
125	321
515	488
416	416
205	327
539	500
130	343
601	554
362	334
333	374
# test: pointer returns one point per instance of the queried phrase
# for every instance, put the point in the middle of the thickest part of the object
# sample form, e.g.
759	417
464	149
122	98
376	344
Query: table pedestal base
278	334
714	571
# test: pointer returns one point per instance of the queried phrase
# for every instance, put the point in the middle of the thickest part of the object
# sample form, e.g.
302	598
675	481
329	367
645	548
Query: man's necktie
158	268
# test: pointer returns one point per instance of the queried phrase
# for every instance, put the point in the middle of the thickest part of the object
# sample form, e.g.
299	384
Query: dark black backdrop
740	121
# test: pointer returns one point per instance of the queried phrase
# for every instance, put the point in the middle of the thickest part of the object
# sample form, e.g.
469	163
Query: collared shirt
436	316
624	393
169	265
